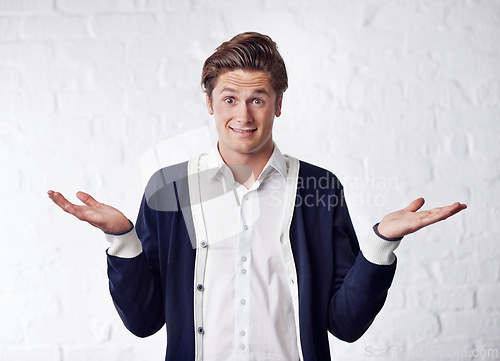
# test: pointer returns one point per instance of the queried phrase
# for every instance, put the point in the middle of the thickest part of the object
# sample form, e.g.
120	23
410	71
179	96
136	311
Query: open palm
408	220
99	215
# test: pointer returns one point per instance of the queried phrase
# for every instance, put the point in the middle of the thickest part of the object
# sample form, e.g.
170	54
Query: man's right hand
100	215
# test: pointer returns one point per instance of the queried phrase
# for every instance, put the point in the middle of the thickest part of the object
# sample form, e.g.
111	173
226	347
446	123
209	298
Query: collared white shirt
247	306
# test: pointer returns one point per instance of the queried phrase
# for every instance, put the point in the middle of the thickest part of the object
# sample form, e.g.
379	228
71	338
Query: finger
452	209
415	205
87	199
83	213
460	206
59	199
441	213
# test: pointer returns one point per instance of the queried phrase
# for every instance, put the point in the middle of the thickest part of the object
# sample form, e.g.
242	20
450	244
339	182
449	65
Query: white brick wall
400	98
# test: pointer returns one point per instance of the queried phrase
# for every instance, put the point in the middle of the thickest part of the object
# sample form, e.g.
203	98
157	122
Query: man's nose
244	114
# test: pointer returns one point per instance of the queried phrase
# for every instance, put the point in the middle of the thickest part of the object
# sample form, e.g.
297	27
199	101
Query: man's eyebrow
228	90
262	91
256	91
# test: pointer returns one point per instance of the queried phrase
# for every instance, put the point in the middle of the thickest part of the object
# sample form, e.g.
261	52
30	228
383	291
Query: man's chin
243	150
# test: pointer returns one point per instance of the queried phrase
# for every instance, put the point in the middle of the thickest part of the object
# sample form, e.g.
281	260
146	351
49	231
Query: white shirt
247	309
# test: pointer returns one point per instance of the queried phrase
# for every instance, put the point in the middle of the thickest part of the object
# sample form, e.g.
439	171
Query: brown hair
251	51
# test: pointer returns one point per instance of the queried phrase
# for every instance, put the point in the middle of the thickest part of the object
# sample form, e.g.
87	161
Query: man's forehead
244	80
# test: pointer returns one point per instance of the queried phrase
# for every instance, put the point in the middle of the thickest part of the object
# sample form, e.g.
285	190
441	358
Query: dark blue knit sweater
339	290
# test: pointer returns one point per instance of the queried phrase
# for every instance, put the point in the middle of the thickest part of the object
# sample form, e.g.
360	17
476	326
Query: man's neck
246	168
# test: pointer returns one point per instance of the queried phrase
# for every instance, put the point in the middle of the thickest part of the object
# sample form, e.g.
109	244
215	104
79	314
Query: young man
244	253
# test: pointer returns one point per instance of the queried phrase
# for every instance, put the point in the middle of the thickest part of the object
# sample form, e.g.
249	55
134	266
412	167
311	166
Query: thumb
87	199
415	205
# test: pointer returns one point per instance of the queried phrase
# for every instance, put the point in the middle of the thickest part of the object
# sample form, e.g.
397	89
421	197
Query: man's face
244	106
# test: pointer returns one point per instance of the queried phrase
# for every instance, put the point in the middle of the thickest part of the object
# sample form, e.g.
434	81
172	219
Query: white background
399	98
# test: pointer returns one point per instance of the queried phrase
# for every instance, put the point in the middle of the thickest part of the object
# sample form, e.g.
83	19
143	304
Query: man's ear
209	105
278	106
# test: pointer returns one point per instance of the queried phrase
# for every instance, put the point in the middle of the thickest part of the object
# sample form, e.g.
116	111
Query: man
237	251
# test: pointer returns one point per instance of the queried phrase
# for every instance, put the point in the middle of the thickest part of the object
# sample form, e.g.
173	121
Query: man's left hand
408	220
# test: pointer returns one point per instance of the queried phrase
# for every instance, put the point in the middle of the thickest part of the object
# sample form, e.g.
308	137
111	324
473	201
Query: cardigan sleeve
340	290
134	284
124	245
354	306
360	286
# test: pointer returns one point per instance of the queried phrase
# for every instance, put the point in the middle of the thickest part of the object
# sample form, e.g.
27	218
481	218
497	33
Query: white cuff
126	245
378	250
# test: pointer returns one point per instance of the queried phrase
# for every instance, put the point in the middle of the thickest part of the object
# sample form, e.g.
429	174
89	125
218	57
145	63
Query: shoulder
160	192
313	170
168	175
313	176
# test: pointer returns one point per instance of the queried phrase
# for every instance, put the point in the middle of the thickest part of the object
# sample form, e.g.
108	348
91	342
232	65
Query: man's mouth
243	131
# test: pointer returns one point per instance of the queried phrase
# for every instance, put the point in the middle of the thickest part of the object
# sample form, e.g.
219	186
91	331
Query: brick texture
399	98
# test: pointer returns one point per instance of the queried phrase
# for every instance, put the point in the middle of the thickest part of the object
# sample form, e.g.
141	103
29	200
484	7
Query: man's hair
247	51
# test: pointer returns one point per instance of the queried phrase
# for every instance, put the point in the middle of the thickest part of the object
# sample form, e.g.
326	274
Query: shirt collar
276	162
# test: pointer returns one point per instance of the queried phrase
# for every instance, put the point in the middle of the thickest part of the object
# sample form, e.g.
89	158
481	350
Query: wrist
125	245
378	249
382	232
123	226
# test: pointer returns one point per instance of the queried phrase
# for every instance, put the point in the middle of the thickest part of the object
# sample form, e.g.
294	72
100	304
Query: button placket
242	313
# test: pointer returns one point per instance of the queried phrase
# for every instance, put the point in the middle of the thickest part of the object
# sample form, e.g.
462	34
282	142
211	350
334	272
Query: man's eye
229	100
257	101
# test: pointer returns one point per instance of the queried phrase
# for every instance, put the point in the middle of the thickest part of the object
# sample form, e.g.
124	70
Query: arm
365	285
362	278
135	288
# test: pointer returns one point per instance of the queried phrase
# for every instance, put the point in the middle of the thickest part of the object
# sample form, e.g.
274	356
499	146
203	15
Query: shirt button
200	330
242	333
243	302
243	271
242	347
245	227
203	244
243	259
245	197
199	287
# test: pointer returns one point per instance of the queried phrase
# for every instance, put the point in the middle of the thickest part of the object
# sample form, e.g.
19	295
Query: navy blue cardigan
339	290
